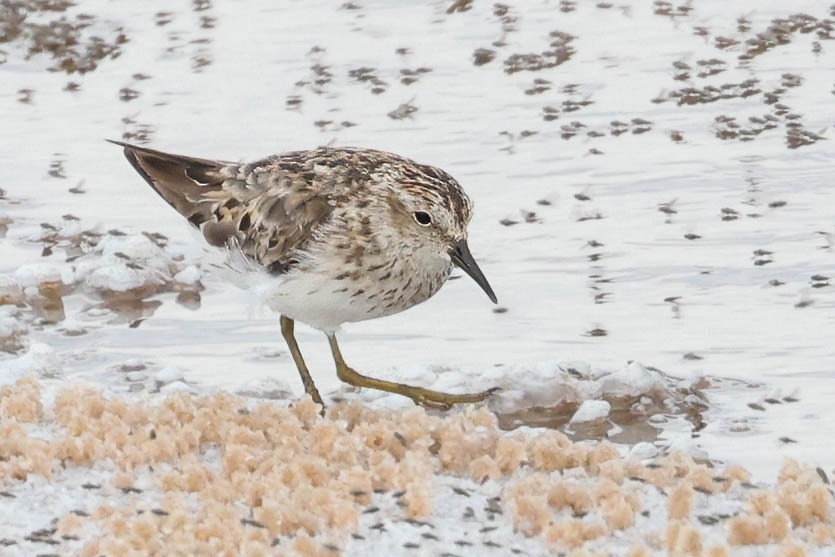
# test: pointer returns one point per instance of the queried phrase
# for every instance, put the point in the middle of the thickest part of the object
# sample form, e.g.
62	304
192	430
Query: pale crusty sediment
225	475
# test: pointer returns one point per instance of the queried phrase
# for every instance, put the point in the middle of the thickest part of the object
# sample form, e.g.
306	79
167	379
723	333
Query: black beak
460	254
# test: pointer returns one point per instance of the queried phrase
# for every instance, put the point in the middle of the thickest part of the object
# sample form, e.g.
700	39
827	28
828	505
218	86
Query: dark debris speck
251	522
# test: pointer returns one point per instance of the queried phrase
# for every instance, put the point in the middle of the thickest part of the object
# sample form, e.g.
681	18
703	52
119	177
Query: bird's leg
418	394
309	386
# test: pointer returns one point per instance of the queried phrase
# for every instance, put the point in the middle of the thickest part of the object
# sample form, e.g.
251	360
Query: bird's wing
264	207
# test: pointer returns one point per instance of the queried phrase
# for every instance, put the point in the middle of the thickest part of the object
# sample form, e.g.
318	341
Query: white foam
35	274
119	277
188	276
169	374
643	451
590	411
39	358
176	387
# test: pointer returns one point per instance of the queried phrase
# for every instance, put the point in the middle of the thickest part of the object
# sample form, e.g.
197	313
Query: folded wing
262	207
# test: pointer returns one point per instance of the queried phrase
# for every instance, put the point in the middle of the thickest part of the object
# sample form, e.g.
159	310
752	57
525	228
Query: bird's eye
423	218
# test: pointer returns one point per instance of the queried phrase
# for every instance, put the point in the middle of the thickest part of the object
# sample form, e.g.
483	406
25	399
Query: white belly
325	303
316	300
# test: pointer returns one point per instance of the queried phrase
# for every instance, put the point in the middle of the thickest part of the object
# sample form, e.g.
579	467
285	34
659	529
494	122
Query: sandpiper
349	234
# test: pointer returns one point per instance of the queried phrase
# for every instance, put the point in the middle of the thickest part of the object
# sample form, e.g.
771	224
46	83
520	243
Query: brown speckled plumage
350	234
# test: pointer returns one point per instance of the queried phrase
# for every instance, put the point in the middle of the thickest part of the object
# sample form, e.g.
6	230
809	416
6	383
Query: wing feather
263	207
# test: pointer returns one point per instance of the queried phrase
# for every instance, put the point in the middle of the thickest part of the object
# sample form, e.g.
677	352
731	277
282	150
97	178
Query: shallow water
648	187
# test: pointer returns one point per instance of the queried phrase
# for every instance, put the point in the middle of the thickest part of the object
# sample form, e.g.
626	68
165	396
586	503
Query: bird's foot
445	401
421	396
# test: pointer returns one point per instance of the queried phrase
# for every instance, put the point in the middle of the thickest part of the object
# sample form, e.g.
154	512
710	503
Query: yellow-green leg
418	394
287	326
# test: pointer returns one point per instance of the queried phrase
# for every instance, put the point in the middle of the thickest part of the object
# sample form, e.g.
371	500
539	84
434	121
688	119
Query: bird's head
431	207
